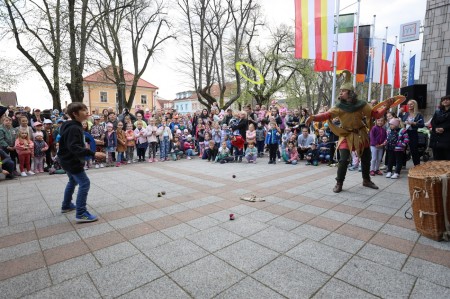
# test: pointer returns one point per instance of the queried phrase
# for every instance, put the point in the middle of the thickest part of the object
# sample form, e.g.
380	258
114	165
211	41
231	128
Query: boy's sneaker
69	209
279	160
189	158
129	162
31	173
23	173
395	176
389	174
372	173
97	166
101	165
85	217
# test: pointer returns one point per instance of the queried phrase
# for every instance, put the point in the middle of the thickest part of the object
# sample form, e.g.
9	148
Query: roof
8	98
100	77
193	96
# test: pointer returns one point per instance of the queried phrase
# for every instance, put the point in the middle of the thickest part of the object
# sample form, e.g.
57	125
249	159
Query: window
144	99
103	96
185	107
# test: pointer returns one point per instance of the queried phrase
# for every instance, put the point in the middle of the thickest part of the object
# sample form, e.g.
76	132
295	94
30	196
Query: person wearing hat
355	116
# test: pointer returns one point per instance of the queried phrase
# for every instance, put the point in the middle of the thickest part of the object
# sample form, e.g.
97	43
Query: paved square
303	241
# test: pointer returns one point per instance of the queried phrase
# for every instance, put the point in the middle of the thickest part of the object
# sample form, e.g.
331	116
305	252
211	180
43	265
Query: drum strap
444	181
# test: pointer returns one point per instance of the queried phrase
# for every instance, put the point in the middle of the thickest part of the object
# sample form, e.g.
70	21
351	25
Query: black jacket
441	119
72	148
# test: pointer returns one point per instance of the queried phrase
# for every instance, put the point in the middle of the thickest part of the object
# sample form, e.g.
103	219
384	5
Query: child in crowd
25	150
152	140
141	141
250	135
98	133
377	139
189	147
121	144
110	144
216	134
211	151
325	150
206	145
284	141
272	141
40	148
238	146
131	142
165	136
201	139
175	149
291	153
251	153
312	156
260	138
224	133
355	162
223	155
396	142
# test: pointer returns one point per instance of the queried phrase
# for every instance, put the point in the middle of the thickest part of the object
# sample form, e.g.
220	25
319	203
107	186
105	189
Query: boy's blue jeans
82	180
164	150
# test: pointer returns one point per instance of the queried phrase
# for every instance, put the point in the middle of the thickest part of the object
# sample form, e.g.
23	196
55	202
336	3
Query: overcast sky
163	72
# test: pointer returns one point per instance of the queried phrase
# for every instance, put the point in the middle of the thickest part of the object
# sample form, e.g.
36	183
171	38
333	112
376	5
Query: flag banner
398	75
346	41
376	53
363	49
412	65
388	60
314	24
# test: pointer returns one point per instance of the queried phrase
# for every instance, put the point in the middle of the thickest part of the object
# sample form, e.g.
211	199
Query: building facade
101	93
435	61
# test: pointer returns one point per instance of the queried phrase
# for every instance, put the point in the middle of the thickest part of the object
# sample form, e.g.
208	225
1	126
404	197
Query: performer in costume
355	122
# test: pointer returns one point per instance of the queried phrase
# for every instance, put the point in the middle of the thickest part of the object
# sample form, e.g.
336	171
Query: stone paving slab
303	241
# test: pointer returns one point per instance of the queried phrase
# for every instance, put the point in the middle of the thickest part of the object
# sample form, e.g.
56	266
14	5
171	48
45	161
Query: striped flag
314	25
391	70
346	44
412	64
376	55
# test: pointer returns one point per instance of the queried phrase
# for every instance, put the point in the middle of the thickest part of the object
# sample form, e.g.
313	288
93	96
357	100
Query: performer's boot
368	183
338	187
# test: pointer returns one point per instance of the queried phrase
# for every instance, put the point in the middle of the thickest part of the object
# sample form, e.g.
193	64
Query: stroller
423	143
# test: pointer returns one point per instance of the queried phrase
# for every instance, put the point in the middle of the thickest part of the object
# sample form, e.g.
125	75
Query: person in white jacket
165	136
152	140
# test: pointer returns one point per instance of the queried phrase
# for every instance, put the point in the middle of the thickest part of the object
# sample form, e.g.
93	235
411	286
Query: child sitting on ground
312	156
291	154
176	152
325	150
189	147
224	156
251	153
211	151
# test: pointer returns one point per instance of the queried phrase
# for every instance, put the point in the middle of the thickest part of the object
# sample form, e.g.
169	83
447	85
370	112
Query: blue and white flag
412	65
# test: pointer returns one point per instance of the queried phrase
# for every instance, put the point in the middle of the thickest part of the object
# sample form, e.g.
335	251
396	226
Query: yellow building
100	92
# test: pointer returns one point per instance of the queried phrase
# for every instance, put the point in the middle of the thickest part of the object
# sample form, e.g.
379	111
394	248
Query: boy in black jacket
72	153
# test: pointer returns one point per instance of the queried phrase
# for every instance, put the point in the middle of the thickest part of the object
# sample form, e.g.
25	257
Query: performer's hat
347	85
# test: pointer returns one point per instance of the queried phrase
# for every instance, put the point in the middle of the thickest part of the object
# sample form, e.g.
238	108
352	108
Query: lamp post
122	96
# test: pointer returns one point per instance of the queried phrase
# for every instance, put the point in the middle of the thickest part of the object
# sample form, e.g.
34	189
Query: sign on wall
409	32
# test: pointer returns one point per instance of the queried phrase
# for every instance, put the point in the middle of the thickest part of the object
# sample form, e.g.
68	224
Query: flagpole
336	32
355	56
401	68
370	68
383	66
393	69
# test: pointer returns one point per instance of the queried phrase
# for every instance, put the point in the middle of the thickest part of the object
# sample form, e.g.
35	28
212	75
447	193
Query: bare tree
218	32
8	75
141	22
275	63
36	28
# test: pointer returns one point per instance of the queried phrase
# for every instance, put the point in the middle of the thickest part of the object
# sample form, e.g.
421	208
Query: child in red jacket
238	146
189	147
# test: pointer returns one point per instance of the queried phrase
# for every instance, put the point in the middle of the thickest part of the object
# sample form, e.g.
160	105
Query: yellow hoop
238	68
